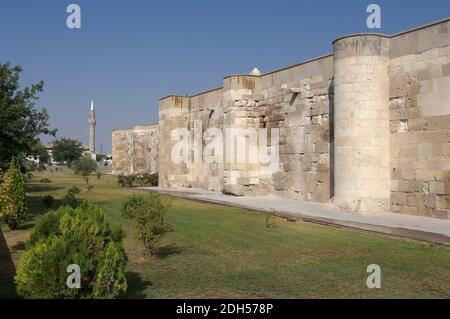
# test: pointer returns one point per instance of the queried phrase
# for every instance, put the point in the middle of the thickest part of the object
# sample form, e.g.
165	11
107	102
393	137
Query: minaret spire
92	123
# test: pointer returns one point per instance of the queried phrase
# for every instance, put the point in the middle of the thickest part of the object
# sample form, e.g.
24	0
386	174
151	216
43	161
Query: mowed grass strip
223	252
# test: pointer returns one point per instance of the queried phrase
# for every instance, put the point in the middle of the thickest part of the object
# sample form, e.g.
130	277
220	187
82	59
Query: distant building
92	122
49	148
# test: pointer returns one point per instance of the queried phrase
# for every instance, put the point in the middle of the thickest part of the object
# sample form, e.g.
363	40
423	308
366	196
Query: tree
20	122
67	150
73	236
13	201
149	213
84	166
39	151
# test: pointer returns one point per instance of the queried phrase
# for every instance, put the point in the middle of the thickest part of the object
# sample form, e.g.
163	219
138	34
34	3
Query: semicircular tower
361	123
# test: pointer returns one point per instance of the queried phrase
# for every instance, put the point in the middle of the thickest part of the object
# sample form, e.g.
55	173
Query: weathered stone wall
135	150
420	121
366	128
295	100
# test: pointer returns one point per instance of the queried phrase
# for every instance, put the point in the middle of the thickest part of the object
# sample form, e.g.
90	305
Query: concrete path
413	227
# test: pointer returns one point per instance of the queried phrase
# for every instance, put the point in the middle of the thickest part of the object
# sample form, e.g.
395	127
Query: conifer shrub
73	236
70	199
13	201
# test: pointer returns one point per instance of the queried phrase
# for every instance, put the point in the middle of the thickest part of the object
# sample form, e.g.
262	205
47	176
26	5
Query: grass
223	252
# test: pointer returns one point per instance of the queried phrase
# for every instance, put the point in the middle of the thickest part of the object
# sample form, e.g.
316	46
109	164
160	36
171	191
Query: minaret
92	123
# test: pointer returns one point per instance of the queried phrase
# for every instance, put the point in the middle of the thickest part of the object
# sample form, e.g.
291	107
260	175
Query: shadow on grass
37	208
167	251
40	188
7	271
136	286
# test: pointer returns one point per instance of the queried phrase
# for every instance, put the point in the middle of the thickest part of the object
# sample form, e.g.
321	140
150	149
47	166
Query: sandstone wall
420	121
295	101
366	128
135	150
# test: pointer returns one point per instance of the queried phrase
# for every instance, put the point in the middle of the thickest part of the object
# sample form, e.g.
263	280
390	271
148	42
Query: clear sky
130	53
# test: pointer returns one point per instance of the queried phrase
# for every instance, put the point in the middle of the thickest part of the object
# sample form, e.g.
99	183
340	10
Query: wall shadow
331	134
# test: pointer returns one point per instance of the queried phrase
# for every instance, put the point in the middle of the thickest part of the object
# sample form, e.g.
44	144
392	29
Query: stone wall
366	129
420	121
295	100
135	151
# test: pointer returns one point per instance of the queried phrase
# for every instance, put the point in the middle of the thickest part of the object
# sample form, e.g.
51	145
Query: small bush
153	180
149	213
131	180
132	204
84	166
45	181
70	236
48	201
47	225
99	175
13	202
70	199
74	190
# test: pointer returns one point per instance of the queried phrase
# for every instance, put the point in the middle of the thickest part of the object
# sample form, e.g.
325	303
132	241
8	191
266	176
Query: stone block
437	188
398	198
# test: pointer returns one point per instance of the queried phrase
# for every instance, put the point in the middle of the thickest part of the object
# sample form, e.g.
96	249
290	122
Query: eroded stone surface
367	127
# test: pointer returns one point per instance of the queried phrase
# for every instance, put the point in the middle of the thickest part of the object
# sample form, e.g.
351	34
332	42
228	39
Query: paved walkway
413	227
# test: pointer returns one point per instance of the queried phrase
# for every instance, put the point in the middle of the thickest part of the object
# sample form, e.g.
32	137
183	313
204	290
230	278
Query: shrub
149	212
47	226
48	201
45	181
84	166
131	205
13	202
70	199
126	180
145	179
73	236
99	175
153	180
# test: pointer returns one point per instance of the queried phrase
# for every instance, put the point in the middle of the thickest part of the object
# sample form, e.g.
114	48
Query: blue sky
130	53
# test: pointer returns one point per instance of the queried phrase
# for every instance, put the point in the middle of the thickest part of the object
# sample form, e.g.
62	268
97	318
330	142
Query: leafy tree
84	166
13	201
73	236
20	122
39	151
149	213
67	150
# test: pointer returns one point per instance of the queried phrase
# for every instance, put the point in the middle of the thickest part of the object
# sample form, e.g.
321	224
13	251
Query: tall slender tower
92	123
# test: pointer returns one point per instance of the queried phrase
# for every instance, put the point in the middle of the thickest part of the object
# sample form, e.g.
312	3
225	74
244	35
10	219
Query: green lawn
222	252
